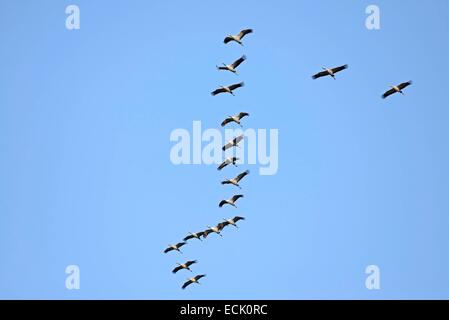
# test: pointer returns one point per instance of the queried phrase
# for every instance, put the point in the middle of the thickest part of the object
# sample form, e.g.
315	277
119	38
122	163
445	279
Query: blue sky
86	178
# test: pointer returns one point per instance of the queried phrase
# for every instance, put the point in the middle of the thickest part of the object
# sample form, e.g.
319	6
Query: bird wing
235	86
225	182
237	62
236	197
227	39
238	139
222	203
168	249
186	284
237	218
206	233
320	74
177	269
217	91
338	69
244	33
388	93
189	263
199	234
198	277
180	244
404	85
190	236
223	164
241	176
242	114
226	121
221	225
227	146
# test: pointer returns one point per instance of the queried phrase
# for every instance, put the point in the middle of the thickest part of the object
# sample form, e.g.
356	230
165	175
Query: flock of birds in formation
228	161
232	160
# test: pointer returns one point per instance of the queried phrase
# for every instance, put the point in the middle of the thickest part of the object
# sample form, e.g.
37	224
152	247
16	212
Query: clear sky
86	178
